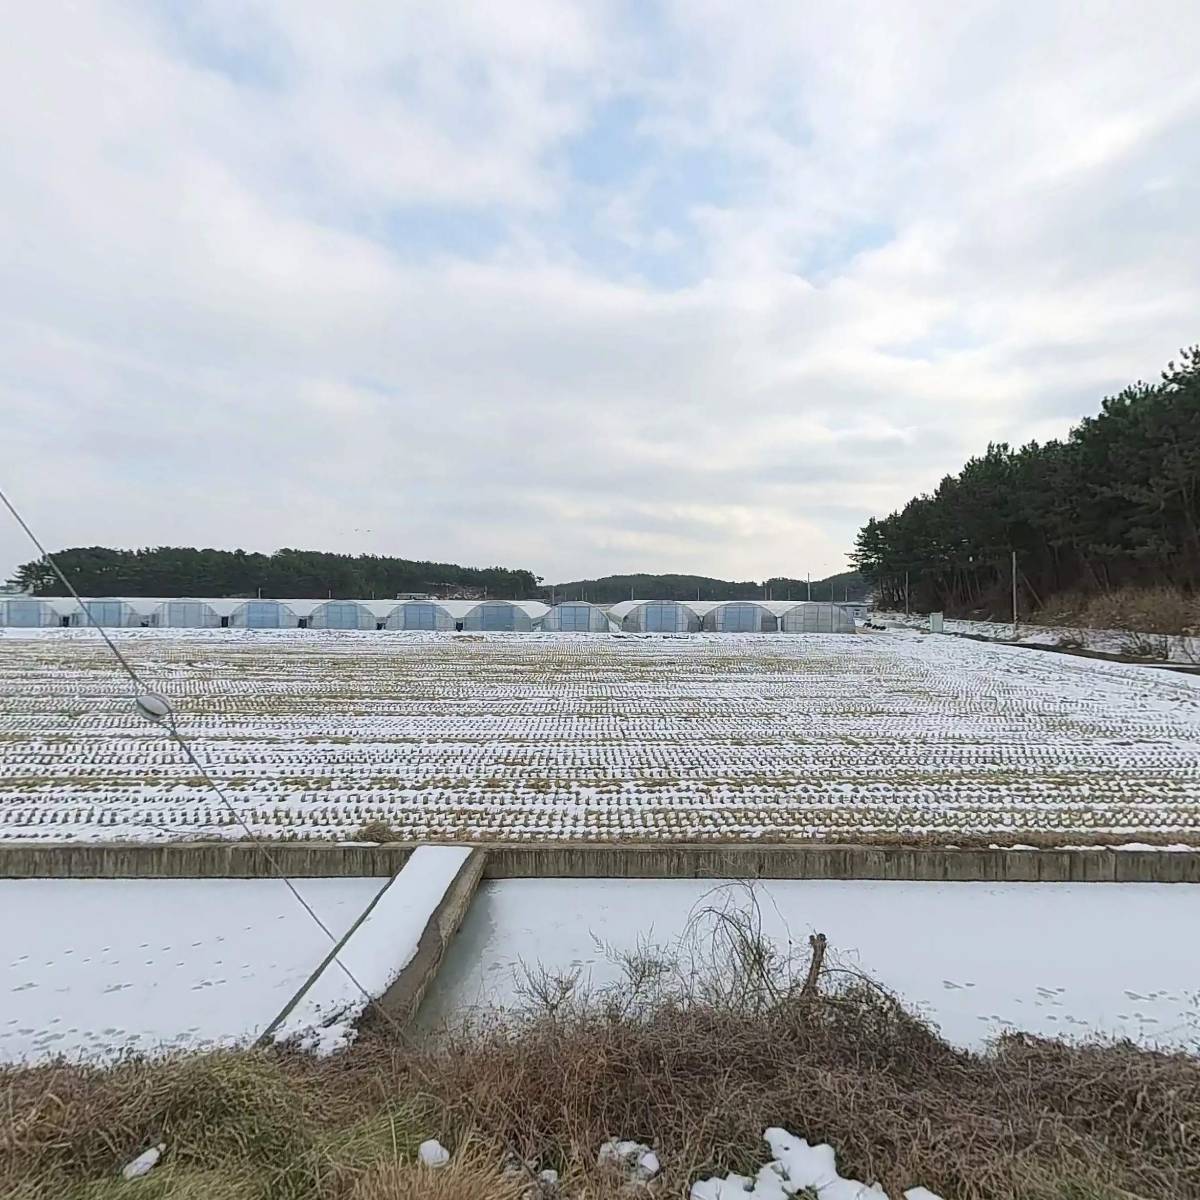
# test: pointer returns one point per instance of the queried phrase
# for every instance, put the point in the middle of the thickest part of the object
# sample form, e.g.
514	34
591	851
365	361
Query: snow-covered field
1055	959
1168	648
93	968
563	736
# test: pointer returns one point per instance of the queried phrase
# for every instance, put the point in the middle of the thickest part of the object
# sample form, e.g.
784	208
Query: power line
156	708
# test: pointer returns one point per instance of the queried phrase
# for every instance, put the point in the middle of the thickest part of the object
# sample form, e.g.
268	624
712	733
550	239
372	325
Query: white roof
225	606
624	607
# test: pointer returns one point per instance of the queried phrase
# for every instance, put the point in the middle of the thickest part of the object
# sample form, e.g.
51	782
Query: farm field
886	737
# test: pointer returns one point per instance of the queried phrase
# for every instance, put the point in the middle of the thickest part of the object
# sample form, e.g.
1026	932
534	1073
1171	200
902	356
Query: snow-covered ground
92	968
442	736
1060	960
1182	650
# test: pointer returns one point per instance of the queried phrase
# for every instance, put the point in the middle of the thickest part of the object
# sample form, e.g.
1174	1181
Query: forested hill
610	589
181	571
1117	503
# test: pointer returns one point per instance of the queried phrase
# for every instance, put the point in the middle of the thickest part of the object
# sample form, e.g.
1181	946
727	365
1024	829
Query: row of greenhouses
499	616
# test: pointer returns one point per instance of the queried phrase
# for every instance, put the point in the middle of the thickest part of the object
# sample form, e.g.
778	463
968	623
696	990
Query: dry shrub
1147	610
474	1173
377	831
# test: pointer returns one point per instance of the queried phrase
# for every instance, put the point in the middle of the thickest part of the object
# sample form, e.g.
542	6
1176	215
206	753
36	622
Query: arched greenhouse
263	614
108	612
341	614
27	613
186	614
655	616
500	616
577	616
816	617
419	614
740	616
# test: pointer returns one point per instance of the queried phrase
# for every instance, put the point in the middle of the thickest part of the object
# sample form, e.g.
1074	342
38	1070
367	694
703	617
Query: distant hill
609	589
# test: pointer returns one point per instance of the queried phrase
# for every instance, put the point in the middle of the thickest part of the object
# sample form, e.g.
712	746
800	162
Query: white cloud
283	279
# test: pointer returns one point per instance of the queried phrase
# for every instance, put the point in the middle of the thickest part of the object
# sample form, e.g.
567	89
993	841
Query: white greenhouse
816	617
111	612
421	614
186	614
655	616
577	616
28	612
263	614
341	614
504	616
739	616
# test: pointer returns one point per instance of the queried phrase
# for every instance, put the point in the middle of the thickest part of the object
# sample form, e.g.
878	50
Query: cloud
582	288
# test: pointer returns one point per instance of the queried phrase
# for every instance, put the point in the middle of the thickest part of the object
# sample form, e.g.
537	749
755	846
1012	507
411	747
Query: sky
579	288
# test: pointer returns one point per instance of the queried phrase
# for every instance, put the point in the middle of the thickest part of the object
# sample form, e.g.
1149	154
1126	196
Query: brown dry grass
1153	610
695	1055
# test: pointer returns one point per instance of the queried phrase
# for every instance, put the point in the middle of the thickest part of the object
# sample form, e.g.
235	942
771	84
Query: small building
577	616
655	616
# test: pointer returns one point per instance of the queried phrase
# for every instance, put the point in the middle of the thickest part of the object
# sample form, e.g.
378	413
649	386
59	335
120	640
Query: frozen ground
1060	960
89	968
561	736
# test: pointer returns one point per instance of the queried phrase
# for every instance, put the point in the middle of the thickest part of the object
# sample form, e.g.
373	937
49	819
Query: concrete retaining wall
239	860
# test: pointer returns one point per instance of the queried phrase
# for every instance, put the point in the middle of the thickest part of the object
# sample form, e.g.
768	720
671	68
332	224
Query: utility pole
808	577
1014	593
906	593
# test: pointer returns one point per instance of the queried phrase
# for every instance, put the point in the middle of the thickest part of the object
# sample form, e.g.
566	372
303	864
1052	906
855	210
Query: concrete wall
239	860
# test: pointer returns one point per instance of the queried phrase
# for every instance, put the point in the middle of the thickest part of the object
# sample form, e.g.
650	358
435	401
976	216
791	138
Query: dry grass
694	1054
1150	610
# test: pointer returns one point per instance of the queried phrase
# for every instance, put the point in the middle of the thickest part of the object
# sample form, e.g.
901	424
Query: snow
635	1157
1182	650
432	1153
92	968
1054	959
375	953
580	736
144	1163
796	1166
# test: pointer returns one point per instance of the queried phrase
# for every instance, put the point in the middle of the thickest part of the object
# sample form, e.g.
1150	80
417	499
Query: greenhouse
503	616
655	616
28	613
577	616
740	616
263	614
816	617
186	614
341	614
419	614
107	612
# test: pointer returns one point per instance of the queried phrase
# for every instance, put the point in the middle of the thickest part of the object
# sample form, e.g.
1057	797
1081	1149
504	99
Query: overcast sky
581	288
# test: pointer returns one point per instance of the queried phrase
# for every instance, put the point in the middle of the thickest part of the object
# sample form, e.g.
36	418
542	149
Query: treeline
613	588
181	571
1116	504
